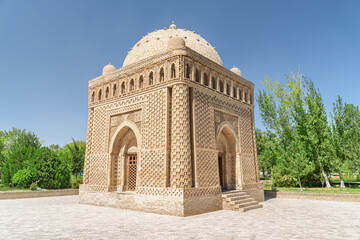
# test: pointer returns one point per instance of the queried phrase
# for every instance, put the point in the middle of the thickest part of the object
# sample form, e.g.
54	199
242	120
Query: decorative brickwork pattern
181	176
88	146
205	137
99	130
247	147
179	192
153	165
154	131
207	168
98	174
246	132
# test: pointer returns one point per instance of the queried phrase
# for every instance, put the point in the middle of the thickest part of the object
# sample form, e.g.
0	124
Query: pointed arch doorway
226	148
124	158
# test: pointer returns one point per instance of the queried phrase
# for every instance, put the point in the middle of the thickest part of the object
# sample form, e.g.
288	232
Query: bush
49	170
75	182
34	186
22	178
346	179
17	158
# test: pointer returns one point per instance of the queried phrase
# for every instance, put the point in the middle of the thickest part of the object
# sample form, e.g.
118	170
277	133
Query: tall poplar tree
296	114
345	138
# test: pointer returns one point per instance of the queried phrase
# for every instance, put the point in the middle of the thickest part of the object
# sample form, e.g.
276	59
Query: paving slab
63	218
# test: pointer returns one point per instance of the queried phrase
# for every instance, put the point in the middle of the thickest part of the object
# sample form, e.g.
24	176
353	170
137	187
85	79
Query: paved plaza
64	218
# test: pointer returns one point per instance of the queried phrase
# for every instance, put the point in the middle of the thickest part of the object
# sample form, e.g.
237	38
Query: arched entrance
124	158
227	148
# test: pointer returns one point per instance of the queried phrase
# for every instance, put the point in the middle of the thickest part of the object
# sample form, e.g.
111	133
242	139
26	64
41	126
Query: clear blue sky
49	50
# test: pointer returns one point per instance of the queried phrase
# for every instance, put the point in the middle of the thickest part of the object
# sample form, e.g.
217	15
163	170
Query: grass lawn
7	188
333	189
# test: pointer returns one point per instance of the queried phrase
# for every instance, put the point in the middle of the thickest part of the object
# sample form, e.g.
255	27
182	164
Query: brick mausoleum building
171	131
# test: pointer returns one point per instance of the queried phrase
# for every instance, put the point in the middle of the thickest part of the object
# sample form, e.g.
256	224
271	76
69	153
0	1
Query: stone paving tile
64	218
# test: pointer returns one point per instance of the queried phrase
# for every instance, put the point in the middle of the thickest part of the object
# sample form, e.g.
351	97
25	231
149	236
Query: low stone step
233	191
246	204
239	201
126	193
245	209
237	197
229	195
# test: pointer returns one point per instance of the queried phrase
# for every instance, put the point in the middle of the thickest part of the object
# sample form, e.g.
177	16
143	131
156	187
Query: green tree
74	154
18	147
299	161
54	147
296	114
16	160
17	137
48	169
266	150
317	130
345	138
2	157
22	178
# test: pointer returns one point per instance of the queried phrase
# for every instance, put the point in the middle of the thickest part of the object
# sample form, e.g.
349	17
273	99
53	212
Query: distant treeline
301	145
24	162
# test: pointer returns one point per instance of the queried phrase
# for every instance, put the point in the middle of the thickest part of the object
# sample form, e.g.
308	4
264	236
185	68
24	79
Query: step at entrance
238	200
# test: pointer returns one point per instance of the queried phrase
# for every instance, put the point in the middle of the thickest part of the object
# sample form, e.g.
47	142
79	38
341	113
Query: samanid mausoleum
172	131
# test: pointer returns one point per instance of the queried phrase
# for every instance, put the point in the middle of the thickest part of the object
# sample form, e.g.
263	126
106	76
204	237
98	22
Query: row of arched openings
132	84
206	82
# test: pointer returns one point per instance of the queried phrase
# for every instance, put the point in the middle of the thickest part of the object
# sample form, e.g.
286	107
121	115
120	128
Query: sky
49	50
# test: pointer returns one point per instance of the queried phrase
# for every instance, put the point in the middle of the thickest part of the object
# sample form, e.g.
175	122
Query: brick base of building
187	203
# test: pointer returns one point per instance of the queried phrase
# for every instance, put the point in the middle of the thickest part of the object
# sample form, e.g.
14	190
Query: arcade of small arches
228	87
192	72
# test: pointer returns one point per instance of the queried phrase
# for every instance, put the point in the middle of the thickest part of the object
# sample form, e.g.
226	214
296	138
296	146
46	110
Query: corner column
181	175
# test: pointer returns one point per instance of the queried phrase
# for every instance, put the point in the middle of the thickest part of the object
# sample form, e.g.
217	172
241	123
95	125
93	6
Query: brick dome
108	68
157	42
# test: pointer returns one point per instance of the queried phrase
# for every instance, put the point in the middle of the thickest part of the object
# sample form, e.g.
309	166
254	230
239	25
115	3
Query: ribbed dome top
156	42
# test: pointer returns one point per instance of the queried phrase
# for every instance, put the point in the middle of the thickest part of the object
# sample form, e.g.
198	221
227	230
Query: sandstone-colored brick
170	130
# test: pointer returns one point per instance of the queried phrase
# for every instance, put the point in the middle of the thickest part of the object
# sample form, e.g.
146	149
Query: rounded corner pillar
181	169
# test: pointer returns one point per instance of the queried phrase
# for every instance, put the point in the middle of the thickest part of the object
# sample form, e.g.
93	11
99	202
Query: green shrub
75	184
282	177
16	160
346	179
265	178
34	186
22	178
49	170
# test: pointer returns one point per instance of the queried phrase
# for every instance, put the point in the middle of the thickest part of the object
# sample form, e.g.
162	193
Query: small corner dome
236	70
108	68
176	43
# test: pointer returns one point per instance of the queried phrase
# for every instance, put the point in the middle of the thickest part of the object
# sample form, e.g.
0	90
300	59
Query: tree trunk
263	173
324	173
325	177
341	180
300	183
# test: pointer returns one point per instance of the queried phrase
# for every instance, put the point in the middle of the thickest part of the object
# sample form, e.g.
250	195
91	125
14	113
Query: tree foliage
305	147
295	113
24	161
74	154
48	169
345	138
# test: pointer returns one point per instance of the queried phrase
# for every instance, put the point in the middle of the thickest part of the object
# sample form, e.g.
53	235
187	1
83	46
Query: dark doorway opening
221	172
